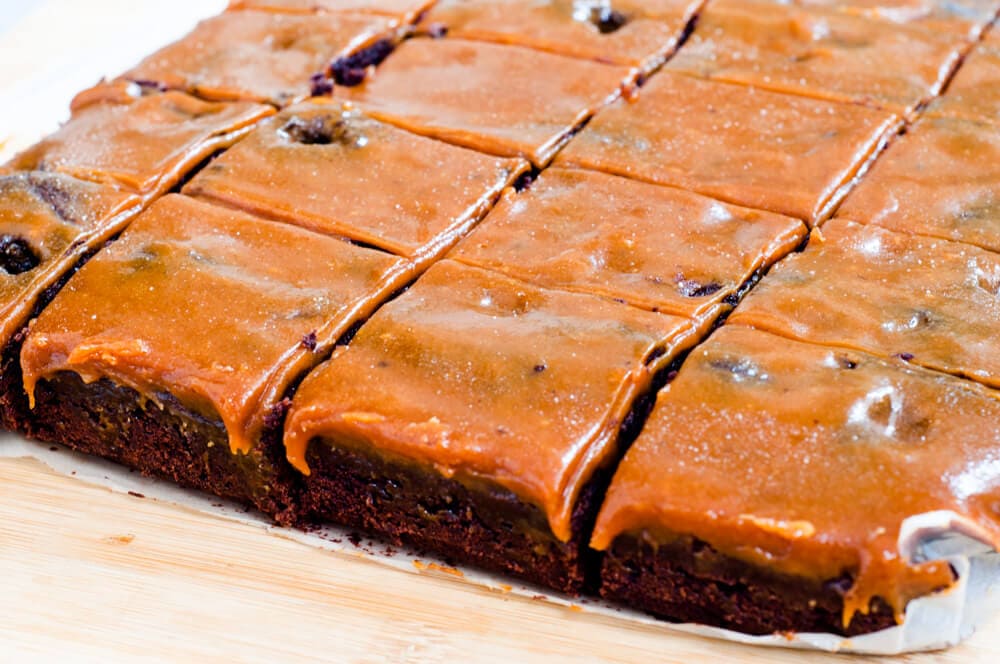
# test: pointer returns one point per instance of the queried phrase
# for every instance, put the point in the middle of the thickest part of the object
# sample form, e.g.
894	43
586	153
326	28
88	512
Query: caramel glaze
405	10
807	460
448	89
966	18
214	307
51	220
258	56
818	53
974	93
932	302
941	179
330	168
145	143
658	248
483	378
638	34
782	153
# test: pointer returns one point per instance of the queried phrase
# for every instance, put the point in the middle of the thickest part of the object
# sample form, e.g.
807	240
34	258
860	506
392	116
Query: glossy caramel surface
931	302
407	10
145	143
975	91
257	56
480	376
807	460
818	53
499	99
941	179
56	219
333	169
654	247
640	34
210	306
965	18
750	147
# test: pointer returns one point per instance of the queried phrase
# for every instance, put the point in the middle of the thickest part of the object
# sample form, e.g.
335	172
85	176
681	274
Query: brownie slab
940	179
450	89
48	224
473	414
145	143
769	487
818	53
195	310
974	93
406	10
931	302
333	169
755	148
654	247
259	56
630	33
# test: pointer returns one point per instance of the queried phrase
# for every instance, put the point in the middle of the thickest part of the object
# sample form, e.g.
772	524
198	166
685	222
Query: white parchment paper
933	622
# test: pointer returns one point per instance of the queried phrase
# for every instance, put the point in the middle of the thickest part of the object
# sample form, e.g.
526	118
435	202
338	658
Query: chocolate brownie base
686	580
470	522
162	439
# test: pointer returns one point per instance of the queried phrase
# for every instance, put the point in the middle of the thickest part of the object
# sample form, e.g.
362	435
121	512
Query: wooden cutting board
91	575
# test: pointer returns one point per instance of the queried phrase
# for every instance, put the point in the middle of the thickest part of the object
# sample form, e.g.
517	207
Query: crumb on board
435	567
120	539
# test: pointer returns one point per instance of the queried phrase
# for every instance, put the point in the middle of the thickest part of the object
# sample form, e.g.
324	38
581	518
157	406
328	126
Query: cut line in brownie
819	53
449	89
655	247
630	33
145	143
930	302
260	56
769	489
196	309
407	11
942	179
474	415
48	224
974	93
760	149
328	167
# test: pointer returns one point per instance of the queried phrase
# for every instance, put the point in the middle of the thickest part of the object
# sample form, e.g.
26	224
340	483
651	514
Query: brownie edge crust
470	522
683	579
163	439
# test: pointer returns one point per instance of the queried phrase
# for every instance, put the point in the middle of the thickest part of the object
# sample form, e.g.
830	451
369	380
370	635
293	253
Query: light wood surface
91	575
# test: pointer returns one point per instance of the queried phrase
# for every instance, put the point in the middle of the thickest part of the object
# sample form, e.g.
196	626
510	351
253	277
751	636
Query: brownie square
966	18
755	148
405	10
658	248
941	179
145	143
184	335
931	302
335	170
767	490
818	53
974	93
48	224
631	33
503	100
474	415
259	56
